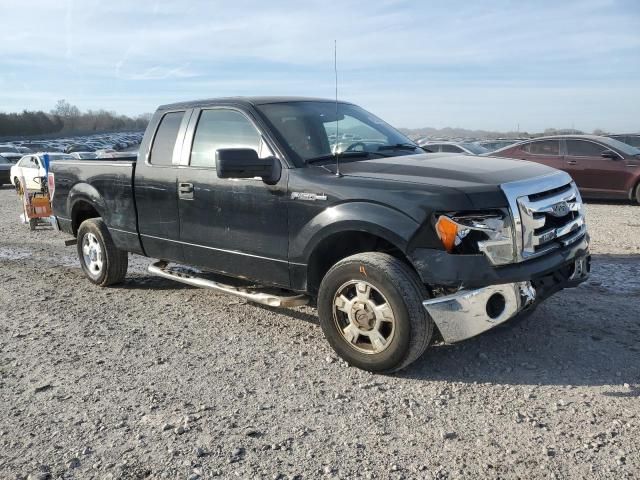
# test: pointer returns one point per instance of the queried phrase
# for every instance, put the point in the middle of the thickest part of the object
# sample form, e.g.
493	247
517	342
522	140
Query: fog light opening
496	305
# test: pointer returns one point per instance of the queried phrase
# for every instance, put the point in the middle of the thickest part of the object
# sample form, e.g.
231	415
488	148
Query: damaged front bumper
468	313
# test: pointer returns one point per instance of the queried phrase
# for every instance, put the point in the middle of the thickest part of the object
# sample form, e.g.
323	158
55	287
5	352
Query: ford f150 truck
288	201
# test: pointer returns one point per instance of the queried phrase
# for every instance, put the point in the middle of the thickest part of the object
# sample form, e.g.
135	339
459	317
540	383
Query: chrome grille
548	214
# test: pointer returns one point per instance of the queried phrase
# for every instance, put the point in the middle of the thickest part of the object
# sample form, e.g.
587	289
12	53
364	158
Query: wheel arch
346	229
342	244
84	202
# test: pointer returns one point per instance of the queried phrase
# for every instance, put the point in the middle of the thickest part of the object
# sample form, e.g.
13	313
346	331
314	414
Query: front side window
580	148
544	147
312	130
165	139
220	128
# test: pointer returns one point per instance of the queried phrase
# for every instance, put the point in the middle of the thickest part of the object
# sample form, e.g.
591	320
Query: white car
467	148
31	167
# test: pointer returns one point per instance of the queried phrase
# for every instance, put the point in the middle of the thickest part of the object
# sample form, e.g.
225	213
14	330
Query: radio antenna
335	71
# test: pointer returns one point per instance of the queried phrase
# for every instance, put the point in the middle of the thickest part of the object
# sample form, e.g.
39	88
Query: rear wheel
637	195
101	261
370	309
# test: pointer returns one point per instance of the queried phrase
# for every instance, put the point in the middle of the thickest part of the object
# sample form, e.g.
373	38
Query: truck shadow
583	336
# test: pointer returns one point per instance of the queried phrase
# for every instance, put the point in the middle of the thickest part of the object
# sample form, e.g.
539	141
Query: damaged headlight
489	233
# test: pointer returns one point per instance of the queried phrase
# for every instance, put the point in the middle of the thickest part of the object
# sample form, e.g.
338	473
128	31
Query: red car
602	167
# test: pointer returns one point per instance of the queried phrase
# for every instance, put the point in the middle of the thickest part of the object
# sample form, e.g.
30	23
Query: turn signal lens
447	231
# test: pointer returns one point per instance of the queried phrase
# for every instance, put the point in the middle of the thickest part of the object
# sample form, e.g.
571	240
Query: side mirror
610	154
245	163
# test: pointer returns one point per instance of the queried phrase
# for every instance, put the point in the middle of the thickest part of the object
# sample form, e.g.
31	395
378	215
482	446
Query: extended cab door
232	226
156	188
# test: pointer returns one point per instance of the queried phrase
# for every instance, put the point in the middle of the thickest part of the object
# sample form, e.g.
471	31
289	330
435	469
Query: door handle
185	191
572	162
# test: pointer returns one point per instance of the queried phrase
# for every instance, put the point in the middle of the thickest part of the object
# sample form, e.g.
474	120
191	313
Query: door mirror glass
245	163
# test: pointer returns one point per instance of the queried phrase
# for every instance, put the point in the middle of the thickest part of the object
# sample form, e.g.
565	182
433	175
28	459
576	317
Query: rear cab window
165	138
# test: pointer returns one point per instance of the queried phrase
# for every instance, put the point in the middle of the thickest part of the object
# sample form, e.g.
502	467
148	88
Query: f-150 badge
307	196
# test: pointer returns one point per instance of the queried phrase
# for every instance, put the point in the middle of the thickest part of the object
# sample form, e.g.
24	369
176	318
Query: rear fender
85	193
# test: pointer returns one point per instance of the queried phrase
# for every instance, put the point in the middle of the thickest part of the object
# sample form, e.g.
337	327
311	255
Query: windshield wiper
331	156
398	146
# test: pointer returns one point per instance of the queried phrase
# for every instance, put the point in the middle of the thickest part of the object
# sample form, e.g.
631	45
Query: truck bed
107	185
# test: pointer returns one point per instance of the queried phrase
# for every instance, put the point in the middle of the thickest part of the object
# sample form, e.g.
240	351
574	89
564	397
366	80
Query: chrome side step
265	296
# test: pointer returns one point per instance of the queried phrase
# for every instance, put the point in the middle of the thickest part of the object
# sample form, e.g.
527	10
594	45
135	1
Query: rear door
546	152
232	226
595	173
156	188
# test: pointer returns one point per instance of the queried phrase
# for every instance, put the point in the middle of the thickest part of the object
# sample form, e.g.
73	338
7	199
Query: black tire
637	194
114	262
403	292
32	224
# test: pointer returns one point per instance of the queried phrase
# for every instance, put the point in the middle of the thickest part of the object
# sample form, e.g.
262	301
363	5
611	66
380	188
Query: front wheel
101	261
371	312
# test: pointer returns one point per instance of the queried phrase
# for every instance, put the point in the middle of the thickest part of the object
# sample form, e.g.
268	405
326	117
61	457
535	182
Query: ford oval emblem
560	209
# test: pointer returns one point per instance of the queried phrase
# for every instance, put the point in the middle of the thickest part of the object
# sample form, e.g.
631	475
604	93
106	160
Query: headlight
490	234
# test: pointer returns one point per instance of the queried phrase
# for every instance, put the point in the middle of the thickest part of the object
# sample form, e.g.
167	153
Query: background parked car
602	167
31	167
10	152
84	155
5	169
79	148
453	147
493	145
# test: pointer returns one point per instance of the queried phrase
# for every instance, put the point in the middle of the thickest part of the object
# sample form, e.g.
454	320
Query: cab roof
246	101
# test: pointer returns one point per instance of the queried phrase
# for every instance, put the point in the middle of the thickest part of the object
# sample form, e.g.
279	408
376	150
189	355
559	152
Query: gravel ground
155	379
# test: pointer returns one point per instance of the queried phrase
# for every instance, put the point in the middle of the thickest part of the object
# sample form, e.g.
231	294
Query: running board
253	294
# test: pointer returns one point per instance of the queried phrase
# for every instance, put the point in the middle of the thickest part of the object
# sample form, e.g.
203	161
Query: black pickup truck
288	201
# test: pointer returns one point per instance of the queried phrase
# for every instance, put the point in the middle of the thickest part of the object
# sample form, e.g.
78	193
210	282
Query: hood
479	177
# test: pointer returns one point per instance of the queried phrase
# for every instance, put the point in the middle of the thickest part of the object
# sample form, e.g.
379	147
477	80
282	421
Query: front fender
392	225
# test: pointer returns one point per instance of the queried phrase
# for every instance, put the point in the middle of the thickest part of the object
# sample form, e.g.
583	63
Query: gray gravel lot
153	379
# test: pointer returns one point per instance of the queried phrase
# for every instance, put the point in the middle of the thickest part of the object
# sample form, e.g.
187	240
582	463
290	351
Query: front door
594	173
232	226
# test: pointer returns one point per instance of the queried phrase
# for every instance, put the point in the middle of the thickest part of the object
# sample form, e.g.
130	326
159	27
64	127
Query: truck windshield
312	131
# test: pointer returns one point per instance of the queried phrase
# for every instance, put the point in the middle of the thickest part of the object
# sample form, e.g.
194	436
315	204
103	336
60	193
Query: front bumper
468	313
439	268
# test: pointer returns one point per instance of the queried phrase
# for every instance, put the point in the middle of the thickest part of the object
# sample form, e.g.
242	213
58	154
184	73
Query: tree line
67	119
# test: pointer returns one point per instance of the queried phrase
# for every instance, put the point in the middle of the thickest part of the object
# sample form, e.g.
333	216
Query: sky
493	65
